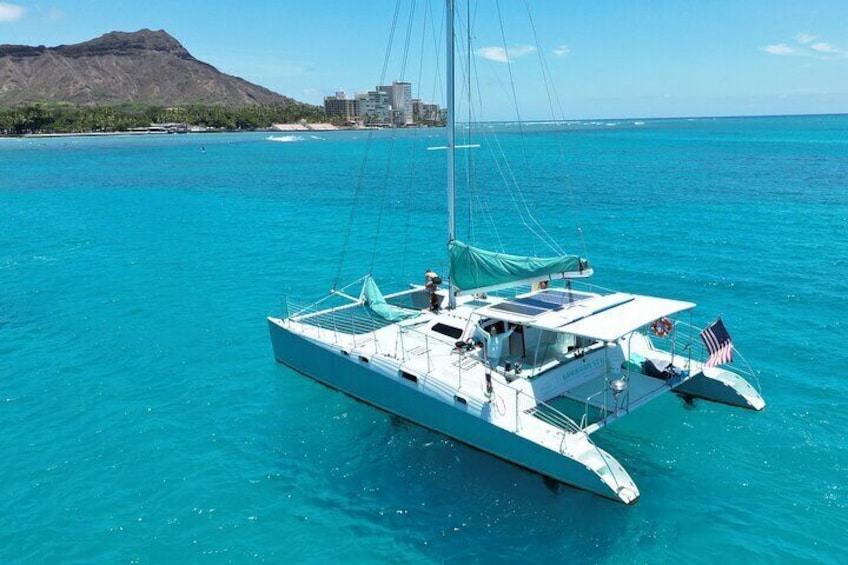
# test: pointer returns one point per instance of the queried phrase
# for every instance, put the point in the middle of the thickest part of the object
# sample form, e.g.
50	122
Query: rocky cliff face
145	67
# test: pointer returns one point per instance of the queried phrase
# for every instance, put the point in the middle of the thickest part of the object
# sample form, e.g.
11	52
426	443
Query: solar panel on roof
534	303
514	308
540	303
561	298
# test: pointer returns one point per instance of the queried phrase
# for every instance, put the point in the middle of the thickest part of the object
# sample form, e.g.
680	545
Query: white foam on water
285	138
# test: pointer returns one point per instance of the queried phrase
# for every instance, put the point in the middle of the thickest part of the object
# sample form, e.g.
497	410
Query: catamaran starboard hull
725	387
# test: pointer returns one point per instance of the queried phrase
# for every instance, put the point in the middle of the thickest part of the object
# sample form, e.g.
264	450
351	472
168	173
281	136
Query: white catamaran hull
377	381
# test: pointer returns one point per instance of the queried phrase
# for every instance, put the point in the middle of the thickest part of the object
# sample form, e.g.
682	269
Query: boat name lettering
580	368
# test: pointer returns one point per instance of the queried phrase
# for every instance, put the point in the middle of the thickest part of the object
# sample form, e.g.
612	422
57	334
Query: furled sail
474	269
373	299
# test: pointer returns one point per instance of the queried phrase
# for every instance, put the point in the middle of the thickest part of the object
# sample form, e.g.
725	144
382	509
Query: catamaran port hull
372	381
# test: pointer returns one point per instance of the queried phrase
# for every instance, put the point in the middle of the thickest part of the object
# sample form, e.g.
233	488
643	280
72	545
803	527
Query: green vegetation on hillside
66	118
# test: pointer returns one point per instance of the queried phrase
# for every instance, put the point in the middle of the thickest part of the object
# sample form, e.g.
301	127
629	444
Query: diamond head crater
126	81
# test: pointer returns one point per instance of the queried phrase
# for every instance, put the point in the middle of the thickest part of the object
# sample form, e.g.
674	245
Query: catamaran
511	354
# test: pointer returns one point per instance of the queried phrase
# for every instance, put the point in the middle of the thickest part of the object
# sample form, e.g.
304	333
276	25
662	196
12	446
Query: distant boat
526	376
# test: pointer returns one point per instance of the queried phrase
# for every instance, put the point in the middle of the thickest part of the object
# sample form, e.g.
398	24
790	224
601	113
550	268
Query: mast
451	133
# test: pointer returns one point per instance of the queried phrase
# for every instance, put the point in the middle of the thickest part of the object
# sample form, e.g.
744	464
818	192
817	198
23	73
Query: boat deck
640	389
429	348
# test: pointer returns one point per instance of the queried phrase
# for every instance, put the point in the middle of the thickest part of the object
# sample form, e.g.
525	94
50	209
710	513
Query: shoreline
294	128
102	134
283	128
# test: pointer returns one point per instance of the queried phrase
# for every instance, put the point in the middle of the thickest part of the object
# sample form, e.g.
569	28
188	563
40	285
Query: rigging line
416	139
363	167
512	186
357	194
471	156
476	199
475	195
464	41
438	33
408	40
393	137
547	238
466	66
549	90
391	41
465	70
519	201
501	162
488	134
483	203
546	76
383	193
510	179
509	67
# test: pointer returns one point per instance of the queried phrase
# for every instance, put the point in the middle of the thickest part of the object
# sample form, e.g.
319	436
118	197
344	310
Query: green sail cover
473	268
376	303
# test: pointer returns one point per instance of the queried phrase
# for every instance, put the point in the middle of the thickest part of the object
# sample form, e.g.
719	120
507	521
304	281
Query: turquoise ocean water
145	420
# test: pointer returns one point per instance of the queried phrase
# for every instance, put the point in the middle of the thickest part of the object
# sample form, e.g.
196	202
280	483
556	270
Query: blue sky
607	59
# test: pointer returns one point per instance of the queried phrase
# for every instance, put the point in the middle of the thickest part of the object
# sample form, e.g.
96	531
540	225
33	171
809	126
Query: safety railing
682	343
549	414
685	343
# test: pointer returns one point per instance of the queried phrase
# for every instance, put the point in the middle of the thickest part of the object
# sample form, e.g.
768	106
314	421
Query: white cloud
55	15
808	45
11	12
497	54
501	55
805	38
823	47
562	51
779	49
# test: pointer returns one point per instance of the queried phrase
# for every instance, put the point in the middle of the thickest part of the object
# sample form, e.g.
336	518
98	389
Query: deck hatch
447	330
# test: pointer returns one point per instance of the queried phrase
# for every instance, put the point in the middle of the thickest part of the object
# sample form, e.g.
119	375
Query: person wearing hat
432	282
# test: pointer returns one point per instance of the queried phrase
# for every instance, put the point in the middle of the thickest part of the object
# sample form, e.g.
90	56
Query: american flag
718	343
